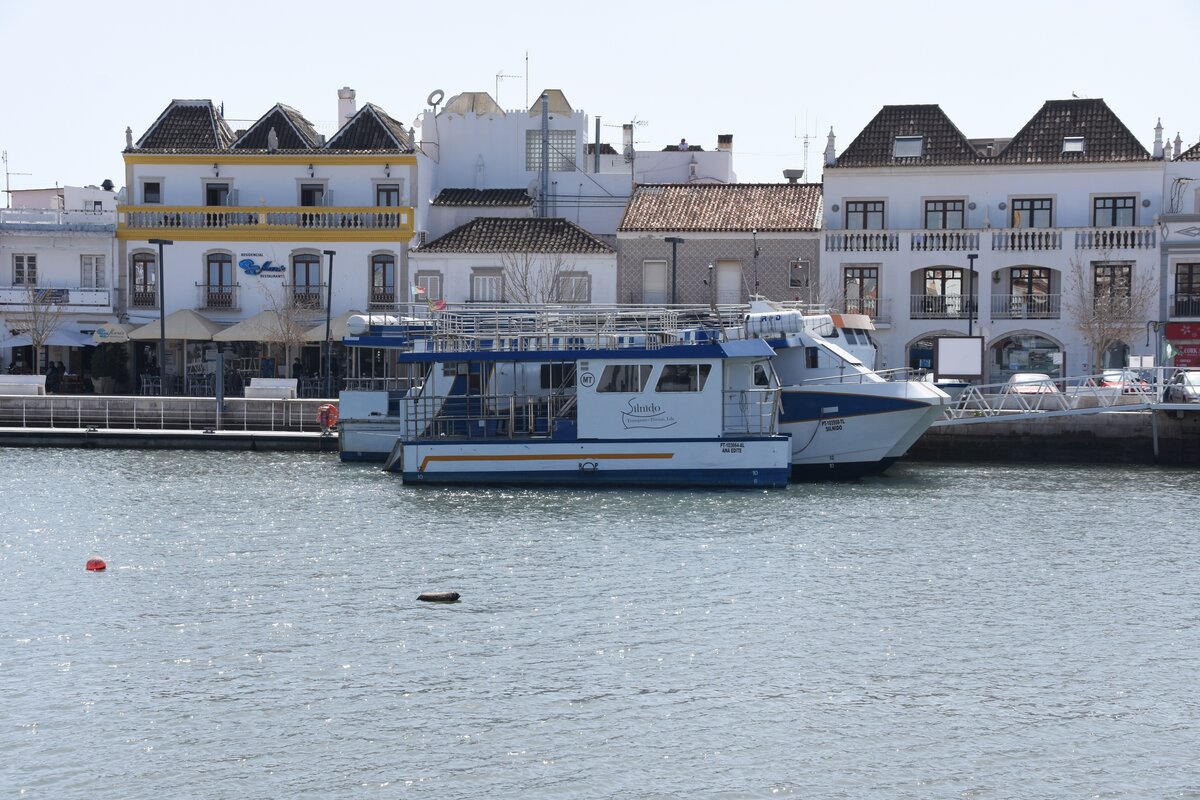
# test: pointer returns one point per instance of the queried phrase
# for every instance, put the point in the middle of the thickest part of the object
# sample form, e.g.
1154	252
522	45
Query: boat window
761	376
683	377
624	378
558	376
810	357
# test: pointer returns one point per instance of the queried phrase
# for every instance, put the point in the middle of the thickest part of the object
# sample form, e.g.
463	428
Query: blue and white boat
585	397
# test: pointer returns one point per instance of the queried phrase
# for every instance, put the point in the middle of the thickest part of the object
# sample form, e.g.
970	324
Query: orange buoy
327	415
96	565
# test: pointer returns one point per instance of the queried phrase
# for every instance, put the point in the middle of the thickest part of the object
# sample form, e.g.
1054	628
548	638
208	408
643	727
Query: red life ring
327	415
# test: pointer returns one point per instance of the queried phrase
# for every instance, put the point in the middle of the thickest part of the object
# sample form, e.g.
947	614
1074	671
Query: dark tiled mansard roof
292	130
188	125
517	235
483	197
1104	138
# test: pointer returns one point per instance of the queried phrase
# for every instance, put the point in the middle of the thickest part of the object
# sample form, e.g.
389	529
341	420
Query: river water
942	631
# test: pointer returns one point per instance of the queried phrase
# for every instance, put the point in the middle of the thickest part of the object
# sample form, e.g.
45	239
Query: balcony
382	298
1185	305
1025	239
1026	306
203	223
220	297
1104	240
69	299
930	306
143	298
1145	238
48	219
862	242
306	296
960	241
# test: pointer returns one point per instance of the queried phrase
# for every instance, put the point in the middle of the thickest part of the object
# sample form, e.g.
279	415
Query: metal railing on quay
156	413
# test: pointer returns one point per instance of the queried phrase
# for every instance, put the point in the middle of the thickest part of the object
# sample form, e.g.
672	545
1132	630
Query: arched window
1025	352
218	281
383	279
143	281
306	280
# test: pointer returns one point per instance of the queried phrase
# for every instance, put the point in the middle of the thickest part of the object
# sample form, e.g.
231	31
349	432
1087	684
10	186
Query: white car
1184	387
1030	383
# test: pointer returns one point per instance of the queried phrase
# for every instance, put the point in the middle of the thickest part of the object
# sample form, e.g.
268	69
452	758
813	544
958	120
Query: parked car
1184	387
1030	383
1127	380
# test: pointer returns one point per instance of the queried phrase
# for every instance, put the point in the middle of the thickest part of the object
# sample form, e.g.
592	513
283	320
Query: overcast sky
77	73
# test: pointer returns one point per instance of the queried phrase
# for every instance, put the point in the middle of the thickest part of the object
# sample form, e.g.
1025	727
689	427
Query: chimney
830	151
1158	146
627	140
1178	147
793	175
725	143
346	107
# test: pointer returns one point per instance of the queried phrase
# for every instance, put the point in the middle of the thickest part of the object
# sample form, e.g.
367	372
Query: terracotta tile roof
371	129
1191	154
187	125
1105	137
483	197
724	207
291	128
517	235
942	142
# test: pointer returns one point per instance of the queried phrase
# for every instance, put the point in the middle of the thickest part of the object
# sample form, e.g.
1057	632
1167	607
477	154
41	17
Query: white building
264	220
1012	239
1178	320
57	253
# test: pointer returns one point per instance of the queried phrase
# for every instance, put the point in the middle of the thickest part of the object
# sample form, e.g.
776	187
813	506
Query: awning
181	324
337	328
266	326
58	337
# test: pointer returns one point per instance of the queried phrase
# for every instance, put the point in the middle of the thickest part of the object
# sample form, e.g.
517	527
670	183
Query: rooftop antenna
7	187
806	137
500	75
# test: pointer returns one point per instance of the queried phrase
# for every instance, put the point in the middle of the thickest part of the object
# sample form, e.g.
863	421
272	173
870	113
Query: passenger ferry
588	397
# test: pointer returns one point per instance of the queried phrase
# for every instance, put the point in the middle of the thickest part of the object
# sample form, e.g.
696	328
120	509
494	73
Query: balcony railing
143	298
1185	305
224	218
65	297
308	296
861	241
217	296
1027	239
1026	306
944	240
862	305
1116	238
927	306
382	298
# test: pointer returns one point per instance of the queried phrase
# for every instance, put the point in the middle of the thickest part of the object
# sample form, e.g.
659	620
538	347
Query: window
93	205
654	282
573	287
557	376
1111	212
151	192
944	214
1187	290
387	194
143	281
861	285
798	274
1032	212
864	215
24	270
1029	281
218	276
1112	285
216	194
487	286
624	378
1072	144
312	194
760	376
383	278
683	378
561	150
943	292
91	272
431	282
907	146
306	281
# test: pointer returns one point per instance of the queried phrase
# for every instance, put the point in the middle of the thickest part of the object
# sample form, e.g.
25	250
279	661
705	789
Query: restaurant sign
256	264
1183	331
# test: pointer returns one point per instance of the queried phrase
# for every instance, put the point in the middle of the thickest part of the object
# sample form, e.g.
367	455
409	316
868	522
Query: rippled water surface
944	631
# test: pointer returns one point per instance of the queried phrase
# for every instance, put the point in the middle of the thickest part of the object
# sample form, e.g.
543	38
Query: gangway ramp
1006	402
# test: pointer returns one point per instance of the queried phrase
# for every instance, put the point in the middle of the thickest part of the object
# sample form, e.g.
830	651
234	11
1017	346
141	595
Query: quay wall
1118	437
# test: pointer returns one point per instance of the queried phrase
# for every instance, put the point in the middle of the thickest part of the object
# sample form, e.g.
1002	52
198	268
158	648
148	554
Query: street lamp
328	343
971	293
675	242
162	318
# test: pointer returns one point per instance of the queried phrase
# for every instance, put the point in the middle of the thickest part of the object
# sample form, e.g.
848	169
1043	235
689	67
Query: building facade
1046	244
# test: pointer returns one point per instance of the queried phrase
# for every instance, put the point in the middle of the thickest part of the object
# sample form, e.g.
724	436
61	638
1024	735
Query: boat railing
391	384
509	416
750	411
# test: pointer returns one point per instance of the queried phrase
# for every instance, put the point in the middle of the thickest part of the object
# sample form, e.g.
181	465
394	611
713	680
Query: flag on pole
437	305
418	291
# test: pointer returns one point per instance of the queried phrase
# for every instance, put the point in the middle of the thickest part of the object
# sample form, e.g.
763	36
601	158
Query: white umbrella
57	337
182	324
265	326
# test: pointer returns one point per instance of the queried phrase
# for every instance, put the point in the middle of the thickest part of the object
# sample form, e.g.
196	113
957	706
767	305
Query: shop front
1025	352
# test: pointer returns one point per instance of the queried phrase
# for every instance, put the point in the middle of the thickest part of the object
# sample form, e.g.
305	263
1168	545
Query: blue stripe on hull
807	406
686	479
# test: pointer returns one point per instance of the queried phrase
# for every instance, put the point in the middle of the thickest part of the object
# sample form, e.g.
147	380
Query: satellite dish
435	97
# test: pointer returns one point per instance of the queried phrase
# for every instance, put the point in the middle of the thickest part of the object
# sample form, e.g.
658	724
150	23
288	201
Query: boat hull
755	462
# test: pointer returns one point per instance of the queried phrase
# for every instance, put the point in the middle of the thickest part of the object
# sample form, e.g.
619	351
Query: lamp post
675	242
328	343
754	236
971	293
162	318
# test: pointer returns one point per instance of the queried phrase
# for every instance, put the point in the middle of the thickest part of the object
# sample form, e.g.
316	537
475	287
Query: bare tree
292	317
1108	301
41	317
538	278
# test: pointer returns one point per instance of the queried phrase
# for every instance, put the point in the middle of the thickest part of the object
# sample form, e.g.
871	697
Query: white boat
581	397
845	419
